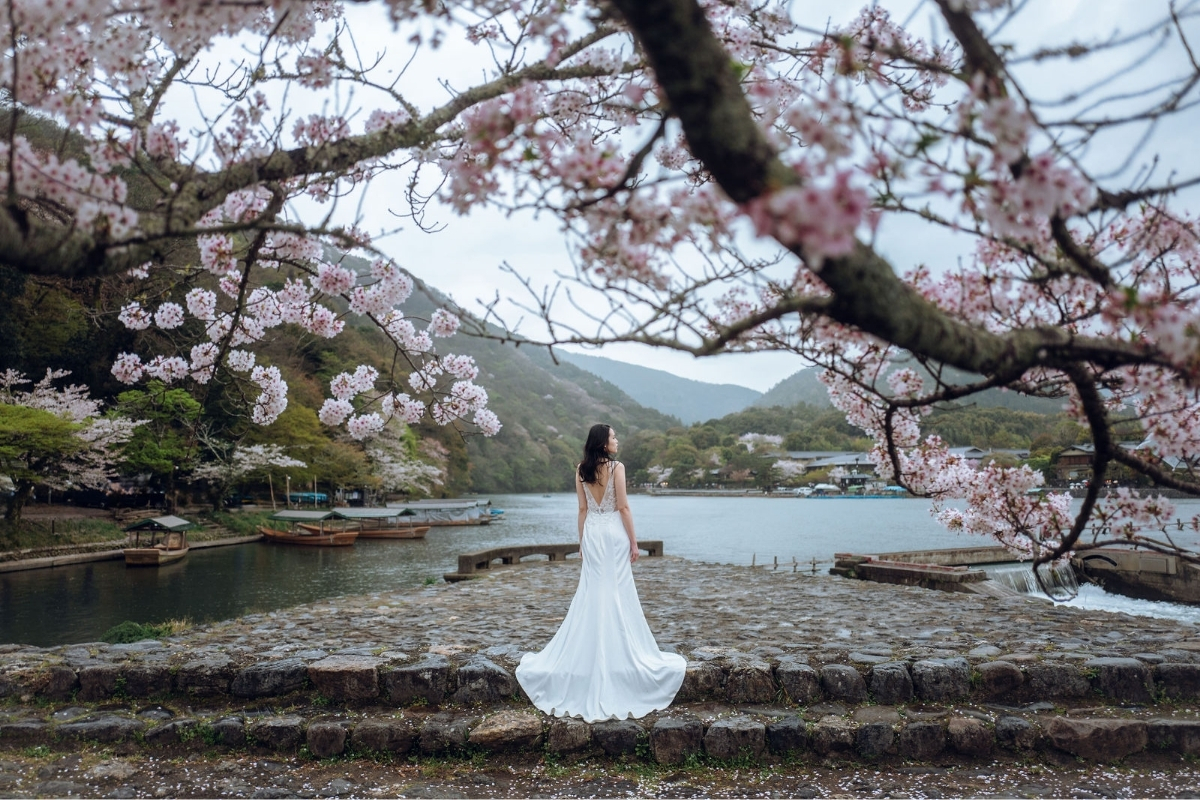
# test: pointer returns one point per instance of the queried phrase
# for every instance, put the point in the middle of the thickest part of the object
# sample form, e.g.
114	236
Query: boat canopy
370	513
168	523
295	515
444	511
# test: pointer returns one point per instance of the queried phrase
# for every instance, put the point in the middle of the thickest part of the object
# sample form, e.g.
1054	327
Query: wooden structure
322	536
373	523
471	564
172	547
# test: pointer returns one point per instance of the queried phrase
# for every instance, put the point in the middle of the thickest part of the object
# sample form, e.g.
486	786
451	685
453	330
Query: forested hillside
689	400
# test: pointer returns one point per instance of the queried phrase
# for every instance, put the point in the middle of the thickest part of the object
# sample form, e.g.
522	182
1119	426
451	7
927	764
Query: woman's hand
633	552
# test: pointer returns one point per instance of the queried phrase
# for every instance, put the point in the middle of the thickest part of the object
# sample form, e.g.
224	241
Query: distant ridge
688	400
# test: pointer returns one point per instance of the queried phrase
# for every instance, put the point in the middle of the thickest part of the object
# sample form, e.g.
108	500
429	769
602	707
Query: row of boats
336	527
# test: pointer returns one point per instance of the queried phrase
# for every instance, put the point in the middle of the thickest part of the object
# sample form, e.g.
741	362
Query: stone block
60	683
891	683
101	729
1178	681
277	733
146	680
787	735
938	680
674	738
1125	679
383	735
1047	681
832	734
98	681
703	680
799	681
24	731
442	732
171	732
969	736
270	678
507	731
483	681
617	737
346	678
750	681
1015	733
230	732
429	679
1176	735
999	678
325	739
874	740
567	735
735	737
1098	739
922	741
843	683
206	677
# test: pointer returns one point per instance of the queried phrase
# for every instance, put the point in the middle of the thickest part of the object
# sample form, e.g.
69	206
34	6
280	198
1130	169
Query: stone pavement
782	666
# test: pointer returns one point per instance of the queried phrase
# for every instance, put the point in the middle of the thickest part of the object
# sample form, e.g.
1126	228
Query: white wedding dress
603	662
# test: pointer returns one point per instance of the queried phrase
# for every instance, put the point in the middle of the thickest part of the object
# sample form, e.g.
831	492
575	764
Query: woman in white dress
603	662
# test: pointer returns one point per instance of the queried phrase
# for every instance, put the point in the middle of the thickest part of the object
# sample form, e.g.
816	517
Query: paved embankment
96	551
782	666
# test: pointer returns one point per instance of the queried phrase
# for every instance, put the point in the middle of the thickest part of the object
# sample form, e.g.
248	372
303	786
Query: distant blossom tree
229	465
395	463
56	437
664	135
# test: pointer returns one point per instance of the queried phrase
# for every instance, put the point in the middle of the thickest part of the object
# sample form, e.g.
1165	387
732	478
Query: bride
603	662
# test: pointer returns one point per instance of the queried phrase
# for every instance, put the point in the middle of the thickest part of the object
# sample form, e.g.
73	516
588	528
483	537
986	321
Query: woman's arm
623	510
579	490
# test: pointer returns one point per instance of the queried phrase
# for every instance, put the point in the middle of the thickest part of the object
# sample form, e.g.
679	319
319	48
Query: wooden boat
172	548
327	539
379	532
153	556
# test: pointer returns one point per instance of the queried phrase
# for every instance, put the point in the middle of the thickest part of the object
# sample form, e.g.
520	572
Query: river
78	603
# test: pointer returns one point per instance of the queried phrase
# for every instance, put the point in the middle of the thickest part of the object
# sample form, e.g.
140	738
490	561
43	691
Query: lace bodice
608	501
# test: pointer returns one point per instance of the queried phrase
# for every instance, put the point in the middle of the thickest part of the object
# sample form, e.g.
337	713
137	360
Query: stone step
717	733
147	669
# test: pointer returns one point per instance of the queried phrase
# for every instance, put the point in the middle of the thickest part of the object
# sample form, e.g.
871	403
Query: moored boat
172	548
445	513
328	539
307	528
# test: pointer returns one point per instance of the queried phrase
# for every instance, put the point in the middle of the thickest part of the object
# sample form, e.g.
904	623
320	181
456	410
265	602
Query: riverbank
60	535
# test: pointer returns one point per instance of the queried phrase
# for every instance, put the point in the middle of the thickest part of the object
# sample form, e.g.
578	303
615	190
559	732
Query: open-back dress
603	662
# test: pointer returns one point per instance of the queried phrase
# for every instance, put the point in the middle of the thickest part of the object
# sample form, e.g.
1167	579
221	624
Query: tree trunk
17	500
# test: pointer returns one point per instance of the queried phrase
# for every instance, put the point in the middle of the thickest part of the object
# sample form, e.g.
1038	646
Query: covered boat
308	528
374	523
172	547
438	513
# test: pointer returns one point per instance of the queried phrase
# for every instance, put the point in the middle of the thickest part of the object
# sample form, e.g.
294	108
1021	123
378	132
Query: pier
470	565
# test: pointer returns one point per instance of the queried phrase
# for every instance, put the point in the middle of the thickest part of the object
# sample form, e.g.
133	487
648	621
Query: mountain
803	387
690	401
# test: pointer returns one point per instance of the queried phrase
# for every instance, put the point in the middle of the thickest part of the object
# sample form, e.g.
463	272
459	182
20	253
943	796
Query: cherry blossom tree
395	462
721	170
57	437
230	464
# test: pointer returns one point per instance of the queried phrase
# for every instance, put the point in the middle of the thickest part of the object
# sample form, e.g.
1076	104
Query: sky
463	258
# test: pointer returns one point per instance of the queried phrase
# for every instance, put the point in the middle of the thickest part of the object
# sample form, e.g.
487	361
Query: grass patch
30	533
240	523
128	632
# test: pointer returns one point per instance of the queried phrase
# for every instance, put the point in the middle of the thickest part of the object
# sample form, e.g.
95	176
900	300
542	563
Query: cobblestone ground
692	605
98	774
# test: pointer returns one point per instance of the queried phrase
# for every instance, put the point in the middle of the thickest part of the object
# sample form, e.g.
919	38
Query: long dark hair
595	452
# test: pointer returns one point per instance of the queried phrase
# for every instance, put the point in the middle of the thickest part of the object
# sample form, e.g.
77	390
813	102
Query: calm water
78	603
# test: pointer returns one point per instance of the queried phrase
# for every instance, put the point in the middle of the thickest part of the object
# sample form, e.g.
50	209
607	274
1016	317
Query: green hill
689	400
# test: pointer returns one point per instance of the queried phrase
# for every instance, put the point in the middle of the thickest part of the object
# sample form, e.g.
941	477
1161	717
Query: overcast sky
463	258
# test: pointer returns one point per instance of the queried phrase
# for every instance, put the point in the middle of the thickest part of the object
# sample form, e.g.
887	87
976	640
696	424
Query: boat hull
152	556
334	539
388	532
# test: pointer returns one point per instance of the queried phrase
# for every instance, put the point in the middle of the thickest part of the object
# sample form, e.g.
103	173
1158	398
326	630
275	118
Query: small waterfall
1058	578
